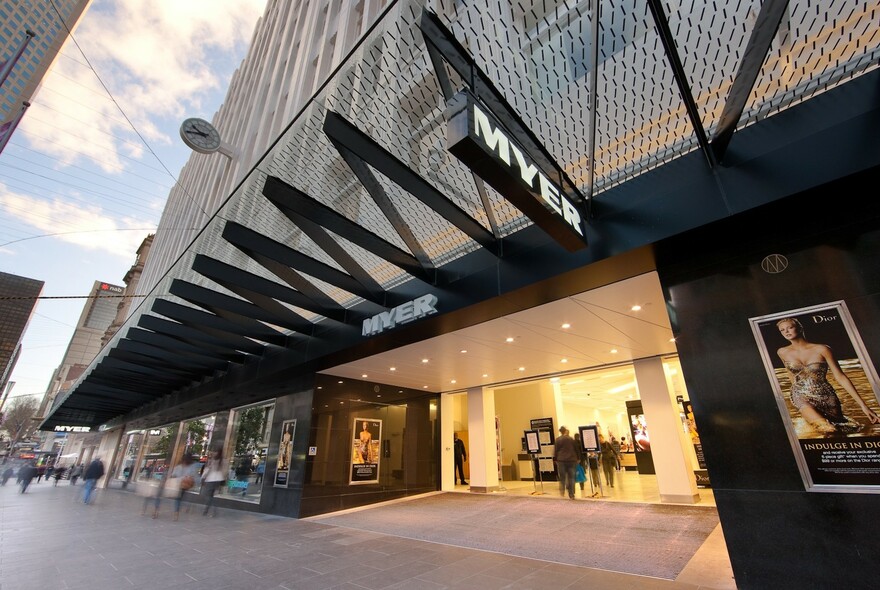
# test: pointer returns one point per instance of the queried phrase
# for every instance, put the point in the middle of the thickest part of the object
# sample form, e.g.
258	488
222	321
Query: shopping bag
580	476
171	488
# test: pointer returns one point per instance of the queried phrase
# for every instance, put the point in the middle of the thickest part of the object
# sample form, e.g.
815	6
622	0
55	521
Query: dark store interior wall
296	405
407	449
778	534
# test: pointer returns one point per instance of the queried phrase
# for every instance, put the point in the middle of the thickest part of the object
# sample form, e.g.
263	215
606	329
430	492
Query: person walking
566	457
609	460
581	468
7	473
213	477
26	474
93	473
460	457
185	473
615	444
57	474
75	473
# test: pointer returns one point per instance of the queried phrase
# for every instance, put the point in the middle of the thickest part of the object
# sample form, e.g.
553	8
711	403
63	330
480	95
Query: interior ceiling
603	330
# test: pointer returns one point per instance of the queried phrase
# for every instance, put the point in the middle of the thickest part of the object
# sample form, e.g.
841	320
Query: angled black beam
678	73
117	365
153	362
380	197
238	309
595	9
115	377
180	347
448	92
263	292
284	262
175	358
127	393
315	218
132	398
453	53
440	71
763	32
342	132
214	340
130	382
204	320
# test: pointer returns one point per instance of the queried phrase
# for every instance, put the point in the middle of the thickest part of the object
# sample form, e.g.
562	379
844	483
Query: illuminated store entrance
608	399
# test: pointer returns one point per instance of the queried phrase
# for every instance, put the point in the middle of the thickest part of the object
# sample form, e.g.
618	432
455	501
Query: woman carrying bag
184	474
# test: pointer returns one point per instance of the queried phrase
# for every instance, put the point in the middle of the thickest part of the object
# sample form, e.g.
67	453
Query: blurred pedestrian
26	474
93	473
615	444
580	470
213	477
261	469
7	473
566	457
609	460
57	474
75	473
185	474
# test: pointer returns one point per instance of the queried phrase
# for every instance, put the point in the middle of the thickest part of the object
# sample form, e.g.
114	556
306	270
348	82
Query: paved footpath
49	539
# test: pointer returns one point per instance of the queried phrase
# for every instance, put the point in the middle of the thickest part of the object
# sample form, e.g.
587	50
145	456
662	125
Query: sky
86	175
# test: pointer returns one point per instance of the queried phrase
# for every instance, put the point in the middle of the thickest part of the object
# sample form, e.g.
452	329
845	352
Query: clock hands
192	129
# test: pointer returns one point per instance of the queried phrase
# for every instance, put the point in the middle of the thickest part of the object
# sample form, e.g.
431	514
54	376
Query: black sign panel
476	138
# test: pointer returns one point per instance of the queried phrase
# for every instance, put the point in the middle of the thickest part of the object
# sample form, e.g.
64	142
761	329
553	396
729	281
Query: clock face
200	135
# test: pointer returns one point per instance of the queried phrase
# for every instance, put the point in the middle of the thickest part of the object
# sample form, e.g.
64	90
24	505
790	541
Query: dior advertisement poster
285	453
365	451
826	389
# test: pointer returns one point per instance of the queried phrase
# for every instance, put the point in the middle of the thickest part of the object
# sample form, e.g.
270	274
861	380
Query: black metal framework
249	296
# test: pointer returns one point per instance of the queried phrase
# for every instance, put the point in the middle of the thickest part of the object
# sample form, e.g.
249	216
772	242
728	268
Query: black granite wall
778	534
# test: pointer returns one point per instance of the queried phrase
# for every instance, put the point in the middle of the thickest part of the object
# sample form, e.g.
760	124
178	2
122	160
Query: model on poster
285	453
365	451
826	389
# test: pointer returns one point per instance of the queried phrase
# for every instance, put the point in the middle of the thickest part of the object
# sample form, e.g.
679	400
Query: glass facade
251	429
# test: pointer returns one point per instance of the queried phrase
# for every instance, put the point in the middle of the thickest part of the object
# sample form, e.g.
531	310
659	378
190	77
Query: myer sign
404	313
475	137
73	429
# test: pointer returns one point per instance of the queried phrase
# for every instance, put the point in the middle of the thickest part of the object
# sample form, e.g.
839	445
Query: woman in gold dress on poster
365	449
814	397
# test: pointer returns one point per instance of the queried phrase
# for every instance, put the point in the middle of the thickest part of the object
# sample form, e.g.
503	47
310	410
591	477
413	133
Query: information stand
590	446
533	448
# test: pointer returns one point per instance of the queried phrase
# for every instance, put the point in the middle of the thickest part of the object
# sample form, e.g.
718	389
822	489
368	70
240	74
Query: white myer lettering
499	143
72	428
402	314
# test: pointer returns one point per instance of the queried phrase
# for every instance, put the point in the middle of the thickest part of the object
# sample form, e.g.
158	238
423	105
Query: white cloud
83	226
159	60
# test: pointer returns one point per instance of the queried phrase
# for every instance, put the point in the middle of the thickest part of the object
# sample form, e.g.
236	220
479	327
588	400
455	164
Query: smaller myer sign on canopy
402	314
476	138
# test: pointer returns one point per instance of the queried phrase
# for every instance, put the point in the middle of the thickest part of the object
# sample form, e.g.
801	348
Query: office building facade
41	28
487	202
18	300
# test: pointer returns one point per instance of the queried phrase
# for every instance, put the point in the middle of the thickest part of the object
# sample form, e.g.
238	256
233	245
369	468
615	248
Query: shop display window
247	454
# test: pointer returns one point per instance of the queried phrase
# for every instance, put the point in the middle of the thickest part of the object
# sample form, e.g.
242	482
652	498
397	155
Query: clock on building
200	135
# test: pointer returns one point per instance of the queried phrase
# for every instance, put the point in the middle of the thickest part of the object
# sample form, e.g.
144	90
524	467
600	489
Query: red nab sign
476	138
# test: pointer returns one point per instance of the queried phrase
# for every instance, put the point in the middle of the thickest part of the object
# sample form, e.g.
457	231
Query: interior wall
777	533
